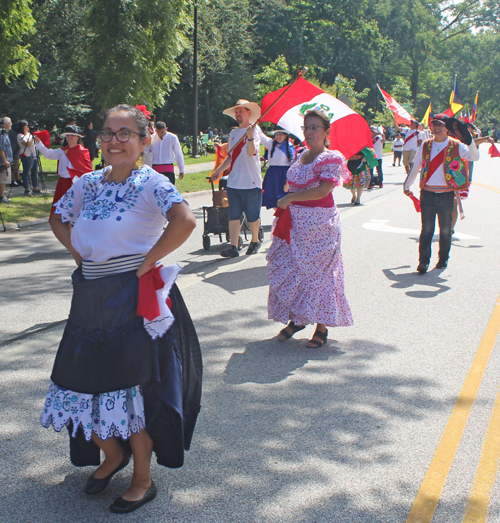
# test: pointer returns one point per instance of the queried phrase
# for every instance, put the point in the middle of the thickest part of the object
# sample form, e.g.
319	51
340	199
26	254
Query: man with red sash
163	150
413	140
244	184
443	173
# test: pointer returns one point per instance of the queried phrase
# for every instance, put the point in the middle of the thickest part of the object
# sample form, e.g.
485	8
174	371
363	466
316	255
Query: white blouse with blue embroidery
110	219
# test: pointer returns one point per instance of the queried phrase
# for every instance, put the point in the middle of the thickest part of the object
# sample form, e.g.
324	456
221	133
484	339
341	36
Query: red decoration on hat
144	111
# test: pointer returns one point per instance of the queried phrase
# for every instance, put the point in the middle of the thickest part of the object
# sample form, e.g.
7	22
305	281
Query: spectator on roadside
14	168
397	149
29	158
90	140
5	157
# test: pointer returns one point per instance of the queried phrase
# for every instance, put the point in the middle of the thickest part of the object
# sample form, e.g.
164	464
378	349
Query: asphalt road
346	433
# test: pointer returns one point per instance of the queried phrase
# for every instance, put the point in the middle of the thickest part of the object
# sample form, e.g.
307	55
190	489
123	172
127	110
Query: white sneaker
4	199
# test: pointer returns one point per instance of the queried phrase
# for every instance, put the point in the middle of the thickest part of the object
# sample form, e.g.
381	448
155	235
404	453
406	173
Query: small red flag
416	202
44	137
494	151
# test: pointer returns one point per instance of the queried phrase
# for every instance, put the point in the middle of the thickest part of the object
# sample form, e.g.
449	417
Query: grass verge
22	209
50	166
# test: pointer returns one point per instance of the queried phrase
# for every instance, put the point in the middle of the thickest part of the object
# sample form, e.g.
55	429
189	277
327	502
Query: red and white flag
349	131
494	150
401	115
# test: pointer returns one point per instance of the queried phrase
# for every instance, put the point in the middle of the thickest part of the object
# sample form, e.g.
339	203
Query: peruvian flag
401	115
494	151
349	131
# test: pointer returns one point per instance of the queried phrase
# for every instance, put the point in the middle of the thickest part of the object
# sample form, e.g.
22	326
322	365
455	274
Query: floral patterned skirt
306	277
111	414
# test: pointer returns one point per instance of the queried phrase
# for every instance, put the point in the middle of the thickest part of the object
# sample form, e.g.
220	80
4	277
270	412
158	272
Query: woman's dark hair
132	112
288	154
21	124
322	116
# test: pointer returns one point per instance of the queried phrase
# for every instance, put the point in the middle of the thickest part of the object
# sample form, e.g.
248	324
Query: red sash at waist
284	222
327	201
164	167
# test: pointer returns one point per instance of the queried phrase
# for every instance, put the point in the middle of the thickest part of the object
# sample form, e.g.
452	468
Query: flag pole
300	75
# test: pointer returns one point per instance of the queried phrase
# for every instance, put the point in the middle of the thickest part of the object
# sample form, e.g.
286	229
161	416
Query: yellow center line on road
486	473
432	486
484	186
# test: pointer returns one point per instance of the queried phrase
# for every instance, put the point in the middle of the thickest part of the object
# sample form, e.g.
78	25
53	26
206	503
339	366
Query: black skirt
106	348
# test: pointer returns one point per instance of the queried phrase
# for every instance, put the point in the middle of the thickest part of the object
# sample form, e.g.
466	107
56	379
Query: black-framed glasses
122	136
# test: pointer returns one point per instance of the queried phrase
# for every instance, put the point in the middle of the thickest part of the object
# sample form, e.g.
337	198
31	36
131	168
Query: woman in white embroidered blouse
113	220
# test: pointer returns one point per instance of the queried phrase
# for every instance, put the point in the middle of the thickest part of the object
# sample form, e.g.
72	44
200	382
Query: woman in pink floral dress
305	271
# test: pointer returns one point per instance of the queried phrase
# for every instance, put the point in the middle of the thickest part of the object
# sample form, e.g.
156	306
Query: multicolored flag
401	115
349	131
427	116
455	101
474	108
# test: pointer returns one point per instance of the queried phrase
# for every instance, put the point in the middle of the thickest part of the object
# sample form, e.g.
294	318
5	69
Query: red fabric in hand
149	283
416	202
44	137
494	151
283	225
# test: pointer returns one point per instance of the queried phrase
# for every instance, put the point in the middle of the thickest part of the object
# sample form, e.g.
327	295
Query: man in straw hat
244	184
443	173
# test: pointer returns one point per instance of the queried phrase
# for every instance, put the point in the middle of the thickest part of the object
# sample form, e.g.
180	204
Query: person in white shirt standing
443	173
397	149
413	140
378	147
163	150
244	184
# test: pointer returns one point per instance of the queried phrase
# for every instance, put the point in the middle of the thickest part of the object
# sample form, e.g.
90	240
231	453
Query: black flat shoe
442	264
122	506
94	485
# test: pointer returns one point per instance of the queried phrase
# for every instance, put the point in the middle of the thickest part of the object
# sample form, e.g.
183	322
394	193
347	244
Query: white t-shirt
246	173
279	157
111	220
411	140
166	150
437	181
378	146
397	144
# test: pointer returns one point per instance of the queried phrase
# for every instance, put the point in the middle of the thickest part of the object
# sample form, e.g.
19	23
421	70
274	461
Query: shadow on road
285	435
406	280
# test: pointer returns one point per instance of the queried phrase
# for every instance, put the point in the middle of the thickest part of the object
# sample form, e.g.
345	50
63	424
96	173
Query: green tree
133	46
16	22
273	76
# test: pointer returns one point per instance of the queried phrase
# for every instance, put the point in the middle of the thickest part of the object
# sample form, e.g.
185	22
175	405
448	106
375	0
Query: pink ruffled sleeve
331	166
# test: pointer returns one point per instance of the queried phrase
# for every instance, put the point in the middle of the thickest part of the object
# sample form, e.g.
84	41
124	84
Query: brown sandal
315	344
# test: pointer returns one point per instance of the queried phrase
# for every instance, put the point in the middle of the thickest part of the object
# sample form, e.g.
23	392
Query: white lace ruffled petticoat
111	414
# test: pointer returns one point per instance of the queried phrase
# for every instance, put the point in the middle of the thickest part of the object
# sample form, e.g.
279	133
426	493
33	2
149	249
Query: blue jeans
442	205
30	168
380	173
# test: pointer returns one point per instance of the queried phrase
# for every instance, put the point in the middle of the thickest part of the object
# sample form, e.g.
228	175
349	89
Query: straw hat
251	106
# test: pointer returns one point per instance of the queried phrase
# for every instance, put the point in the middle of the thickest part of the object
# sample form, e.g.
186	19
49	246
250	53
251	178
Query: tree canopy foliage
60	59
